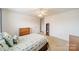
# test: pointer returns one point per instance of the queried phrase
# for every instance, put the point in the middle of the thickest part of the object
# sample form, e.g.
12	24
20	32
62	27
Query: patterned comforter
32	42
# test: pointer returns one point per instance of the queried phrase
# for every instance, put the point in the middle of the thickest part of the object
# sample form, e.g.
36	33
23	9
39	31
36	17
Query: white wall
61	25
42	25
12	21
0	20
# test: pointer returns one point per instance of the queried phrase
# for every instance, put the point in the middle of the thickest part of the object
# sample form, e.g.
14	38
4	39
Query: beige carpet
56	44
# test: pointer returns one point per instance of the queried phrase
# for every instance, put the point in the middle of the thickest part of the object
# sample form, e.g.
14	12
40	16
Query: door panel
47	29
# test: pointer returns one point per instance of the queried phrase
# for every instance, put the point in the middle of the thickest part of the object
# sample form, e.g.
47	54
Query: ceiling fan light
40	15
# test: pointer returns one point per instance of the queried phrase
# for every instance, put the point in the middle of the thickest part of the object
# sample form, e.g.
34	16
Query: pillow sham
8	39
3	46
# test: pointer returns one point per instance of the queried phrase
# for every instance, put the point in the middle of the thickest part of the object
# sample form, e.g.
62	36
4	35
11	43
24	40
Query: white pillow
8	39
3	46
5	35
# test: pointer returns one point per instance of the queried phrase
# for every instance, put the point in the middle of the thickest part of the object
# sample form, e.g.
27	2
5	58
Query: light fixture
41	12
40	15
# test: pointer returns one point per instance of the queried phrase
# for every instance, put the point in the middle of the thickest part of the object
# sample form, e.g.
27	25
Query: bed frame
44	48
26	31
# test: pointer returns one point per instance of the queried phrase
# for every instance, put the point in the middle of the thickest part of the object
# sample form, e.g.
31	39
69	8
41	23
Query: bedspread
32	42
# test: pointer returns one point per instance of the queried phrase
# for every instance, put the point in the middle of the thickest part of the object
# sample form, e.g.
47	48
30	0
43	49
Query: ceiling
33	11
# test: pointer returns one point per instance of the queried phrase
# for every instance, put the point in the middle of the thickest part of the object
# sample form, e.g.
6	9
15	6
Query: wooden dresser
24	31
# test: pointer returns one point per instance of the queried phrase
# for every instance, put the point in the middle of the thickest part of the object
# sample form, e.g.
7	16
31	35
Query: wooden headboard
24	31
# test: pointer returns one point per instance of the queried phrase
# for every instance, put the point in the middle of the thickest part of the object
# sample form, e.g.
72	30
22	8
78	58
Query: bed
31	42
27	41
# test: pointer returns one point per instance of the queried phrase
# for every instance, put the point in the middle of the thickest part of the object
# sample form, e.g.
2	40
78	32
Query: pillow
8	39
5	35
3	46
15	39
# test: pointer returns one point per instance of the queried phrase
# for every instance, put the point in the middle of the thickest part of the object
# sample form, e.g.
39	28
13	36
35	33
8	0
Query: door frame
47	28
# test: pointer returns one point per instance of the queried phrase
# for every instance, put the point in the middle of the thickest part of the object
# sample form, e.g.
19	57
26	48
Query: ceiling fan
41	12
